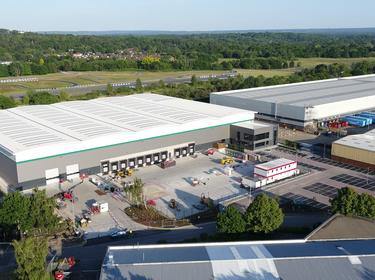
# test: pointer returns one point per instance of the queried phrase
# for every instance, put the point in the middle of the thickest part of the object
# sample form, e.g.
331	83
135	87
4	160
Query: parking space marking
342	165
300	199
322	189
367	184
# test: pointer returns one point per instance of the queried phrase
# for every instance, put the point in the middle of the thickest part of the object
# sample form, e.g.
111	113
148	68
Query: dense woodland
33	53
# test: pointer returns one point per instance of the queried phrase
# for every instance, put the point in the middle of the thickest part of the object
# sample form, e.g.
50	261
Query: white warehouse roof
274	164
39	131
307	100
364	141
261	260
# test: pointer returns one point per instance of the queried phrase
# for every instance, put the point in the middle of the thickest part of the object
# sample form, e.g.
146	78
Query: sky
184	15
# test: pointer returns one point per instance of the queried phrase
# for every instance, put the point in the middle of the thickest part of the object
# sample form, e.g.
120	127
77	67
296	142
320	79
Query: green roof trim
127	142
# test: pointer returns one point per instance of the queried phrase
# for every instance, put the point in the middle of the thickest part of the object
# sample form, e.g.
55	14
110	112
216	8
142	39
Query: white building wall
277	173
343	107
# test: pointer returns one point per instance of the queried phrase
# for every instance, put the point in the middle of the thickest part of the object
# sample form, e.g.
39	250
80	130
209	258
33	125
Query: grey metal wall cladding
34	170
42	181
8	170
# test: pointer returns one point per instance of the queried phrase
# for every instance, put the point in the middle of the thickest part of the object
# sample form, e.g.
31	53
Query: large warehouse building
303	104
42	144
356	149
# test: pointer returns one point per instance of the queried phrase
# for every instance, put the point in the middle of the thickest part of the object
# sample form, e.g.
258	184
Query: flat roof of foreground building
271	260
39	131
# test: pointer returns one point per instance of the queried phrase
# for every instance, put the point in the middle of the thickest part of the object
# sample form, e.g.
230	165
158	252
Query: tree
136	191
138	85
64	96
42	212
14	212
29	214
194	80
264	215
43	97
109	89
7	102
25	99
366	206
31	254
230	221
345	202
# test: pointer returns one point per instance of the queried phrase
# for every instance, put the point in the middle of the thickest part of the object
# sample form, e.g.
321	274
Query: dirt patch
99	192
153	191
149	216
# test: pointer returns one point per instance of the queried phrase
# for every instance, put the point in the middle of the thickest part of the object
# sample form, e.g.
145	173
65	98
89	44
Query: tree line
33	53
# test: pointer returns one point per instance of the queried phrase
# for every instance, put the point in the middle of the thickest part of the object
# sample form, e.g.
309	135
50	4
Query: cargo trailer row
357	121
368	115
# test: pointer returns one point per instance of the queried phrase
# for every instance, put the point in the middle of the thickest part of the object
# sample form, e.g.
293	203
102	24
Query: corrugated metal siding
353	153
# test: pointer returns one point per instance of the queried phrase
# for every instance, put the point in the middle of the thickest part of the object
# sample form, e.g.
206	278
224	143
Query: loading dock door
72	171
156	158
52	176
140	161
164	156
184	151
105	167
191	149
123	164
148	159
132	163
177	153
114	166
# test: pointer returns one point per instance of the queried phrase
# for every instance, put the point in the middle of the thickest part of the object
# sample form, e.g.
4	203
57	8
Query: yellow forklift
226	160
123	173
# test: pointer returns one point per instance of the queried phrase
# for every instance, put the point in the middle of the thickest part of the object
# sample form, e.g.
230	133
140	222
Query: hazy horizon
185	15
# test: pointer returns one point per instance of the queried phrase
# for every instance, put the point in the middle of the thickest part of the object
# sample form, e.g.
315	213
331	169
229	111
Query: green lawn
312	62
83	78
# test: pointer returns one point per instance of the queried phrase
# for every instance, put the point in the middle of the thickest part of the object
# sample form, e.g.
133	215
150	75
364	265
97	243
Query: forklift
124	172
226	160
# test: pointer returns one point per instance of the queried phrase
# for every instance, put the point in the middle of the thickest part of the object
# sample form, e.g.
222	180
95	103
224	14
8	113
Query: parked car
120	234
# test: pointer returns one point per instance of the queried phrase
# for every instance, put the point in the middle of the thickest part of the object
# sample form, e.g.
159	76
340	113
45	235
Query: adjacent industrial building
44	144
304	104
262	260
254	135
357	150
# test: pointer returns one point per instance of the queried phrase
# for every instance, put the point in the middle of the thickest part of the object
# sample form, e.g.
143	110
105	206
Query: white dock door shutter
72	169
52	173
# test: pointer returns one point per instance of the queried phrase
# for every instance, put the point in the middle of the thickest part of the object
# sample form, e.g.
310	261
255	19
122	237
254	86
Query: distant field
312	62
266	73
64	79
58	80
